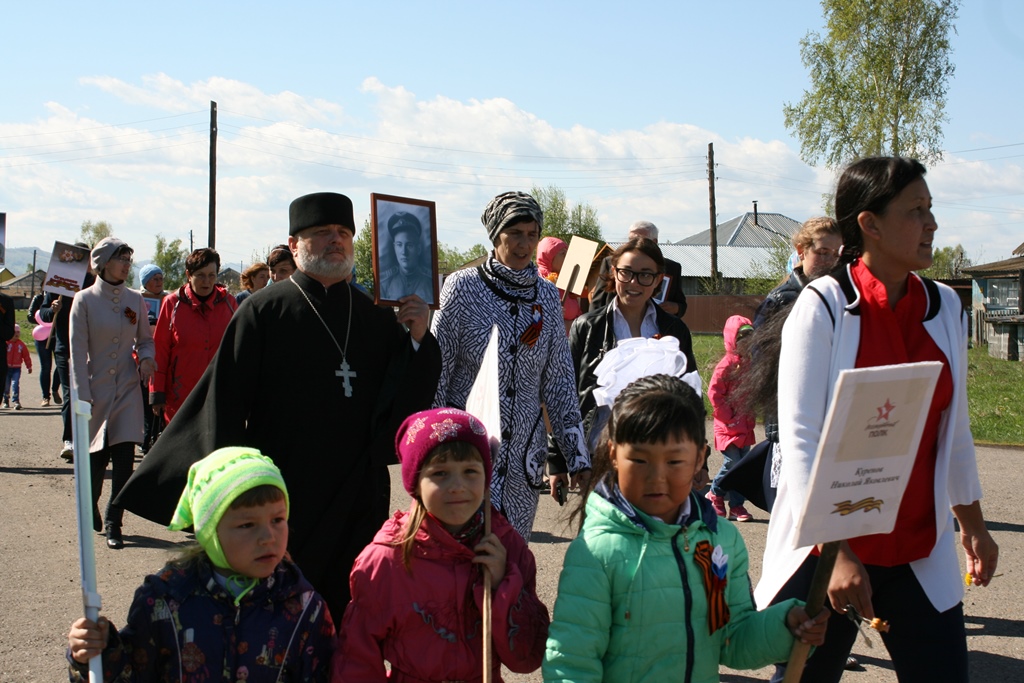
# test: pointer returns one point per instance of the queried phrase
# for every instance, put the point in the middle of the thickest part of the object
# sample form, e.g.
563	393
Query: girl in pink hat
417	590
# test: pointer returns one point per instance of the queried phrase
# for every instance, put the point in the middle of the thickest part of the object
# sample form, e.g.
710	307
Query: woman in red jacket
188	332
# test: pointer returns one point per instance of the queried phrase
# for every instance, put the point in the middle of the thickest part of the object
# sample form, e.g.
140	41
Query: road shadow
1003	526
35	470
545	537
991	626
155	543
985	666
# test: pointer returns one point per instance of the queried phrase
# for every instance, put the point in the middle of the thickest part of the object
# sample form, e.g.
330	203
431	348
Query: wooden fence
707	314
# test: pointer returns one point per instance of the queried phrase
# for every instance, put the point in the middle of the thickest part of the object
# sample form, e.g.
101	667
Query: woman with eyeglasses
637	269
108	322
188	331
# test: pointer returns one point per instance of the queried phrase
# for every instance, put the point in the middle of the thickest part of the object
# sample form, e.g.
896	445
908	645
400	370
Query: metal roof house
745	244
998	296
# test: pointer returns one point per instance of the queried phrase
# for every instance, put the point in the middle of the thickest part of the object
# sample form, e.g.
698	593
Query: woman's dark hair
200	258
280	253
645	246
869	185
652	409
757	387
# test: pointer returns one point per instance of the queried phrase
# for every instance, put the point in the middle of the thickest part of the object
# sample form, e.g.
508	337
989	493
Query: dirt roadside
39	575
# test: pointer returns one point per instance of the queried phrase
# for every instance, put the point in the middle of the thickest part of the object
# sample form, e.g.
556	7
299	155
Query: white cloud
151	177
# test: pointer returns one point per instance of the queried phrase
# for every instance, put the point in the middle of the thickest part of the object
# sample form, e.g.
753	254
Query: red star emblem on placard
883	411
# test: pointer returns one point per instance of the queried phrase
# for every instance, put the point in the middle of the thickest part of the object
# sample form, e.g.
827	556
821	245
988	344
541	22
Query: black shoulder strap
934	298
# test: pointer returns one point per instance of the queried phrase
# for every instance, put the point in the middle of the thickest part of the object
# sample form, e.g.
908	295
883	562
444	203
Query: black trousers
61	361
925	645
122	455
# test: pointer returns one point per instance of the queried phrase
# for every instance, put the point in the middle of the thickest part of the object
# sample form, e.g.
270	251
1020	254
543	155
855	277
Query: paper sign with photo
68	266
659	296
866	452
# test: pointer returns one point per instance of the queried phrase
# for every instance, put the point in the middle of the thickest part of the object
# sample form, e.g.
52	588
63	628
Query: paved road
40	595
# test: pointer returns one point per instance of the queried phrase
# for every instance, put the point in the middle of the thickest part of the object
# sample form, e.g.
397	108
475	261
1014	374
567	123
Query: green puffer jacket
632	603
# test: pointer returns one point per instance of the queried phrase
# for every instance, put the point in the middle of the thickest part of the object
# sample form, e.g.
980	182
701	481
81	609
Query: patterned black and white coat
534	368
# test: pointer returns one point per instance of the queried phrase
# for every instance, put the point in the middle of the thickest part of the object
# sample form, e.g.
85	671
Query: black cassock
273	385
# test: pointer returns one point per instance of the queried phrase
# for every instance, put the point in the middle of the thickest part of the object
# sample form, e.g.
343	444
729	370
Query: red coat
17	353
731	426
427	624
187	335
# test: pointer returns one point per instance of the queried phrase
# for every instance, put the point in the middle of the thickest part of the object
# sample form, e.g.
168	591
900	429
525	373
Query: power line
110	125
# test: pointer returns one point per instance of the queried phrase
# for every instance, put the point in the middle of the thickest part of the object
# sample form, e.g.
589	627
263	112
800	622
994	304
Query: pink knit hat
424	431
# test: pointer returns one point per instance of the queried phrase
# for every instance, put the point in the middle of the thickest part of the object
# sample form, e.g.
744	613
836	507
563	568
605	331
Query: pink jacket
17	353
731	427
427	624
187	336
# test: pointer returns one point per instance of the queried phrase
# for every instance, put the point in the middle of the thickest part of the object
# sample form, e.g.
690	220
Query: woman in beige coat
108	323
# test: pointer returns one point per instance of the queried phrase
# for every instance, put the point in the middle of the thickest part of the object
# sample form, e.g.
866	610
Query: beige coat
108	322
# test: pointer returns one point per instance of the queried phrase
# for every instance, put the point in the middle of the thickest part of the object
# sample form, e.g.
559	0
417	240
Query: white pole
81	411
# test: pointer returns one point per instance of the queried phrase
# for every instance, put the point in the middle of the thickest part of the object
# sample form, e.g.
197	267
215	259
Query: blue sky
105	114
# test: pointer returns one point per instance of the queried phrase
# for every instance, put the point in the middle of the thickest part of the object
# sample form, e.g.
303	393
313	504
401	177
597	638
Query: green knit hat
213	484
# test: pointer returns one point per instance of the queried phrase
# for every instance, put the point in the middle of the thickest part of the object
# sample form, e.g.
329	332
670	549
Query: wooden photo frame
404	249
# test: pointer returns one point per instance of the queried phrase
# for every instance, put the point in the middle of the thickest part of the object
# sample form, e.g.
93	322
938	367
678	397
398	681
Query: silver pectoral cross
346	372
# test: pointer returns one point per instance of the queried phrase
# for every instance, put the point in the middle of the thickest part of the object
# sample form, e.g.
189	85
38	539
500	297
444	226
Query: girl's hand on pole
88	639
491	554
805	629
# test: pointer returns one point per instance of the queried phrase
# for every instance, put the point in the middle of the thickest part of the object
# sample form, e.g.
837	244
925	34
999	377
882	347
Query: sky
105	115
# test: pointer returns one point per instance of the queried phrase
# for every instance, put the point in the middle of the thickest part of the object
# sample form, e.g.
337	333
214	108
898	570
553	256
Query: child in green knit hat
232	608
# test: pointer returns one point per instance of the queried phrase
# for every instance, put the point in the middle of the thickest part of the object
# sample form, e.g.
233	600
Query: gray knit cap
104	251
508	208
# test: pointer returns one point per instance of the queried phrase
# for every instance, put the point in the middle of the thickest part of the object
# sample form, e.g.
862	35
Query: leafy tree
93	232
948	263
362	247
878	81
170	257
563	220
765	275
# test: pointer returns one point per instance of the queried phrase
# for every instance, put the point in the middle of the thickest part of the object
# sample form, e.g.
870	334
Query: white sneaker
68	452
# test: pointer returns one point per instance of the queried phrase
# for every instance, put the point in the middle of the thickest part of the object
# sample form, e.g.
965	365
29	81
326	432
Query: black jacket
591	337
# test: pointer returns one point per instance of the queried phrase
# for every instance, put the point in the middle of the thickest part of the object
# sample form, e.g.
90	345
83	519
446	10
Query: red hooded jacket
731	427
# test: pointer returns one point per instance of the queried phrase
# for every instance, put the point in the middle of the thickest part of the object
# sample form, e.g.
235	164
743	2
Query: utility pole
714	215
191	245
212	240
33	280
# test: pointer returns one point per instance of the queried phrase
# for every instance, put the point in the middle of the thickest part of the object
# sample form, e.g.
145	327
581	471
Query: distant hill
19	260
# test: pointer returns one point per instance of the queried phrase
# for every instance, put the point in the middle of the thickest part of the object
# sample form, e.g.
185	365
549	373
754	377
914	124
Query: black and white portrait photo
404	248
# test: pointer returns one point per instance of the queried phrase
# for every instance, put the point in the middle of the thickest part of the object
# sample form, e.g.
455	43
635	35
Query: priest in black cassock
318	378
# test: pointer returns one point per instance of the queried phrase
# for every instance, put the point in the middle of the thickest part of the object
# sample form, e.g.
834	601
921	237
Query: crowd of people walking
299	573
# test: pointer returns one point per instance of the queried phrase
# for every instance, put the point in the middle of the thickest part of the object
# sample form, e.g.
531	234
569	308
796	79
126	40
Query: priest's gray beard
315	265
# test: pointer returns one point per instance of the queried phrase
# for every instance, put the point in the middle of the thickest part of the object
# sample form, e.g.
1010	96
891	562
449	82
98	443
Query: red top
888	337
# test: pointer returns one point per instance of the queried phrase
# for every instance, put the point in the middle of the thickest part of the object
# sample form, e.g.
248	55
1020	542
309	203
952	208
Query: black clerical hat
320	208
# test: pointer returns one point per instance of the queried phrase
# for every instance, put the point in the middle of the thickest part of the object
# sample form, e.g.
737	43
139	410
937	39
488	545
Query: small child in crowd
233	608
17	353
655	587
417	590
734	429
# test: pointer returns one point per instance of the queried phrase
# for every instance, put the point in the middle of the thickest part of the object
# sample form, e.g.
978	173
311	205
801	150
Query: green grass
996	408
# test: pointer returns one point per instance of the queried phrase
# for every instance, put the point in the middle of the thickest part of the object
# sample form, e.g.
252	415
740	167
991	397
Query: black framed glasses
626	275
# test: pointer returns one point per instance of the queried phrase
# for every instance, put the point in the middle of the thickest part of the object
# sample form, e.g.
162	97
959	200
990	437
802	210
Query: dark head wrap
320	208
403	221
508	208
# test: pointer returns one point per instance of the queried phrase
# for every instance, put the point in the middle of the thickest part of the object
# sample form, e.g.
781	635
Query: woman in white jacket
109	328
873	310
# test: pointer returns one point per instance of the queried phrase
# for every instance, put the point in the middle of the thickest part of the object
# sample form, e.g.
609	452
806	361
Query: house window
1002	293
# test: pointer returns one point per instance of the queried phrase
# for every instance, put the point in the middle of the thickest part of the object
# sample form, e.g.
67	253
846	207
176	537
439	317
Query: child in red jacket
417	590
734	429
17	353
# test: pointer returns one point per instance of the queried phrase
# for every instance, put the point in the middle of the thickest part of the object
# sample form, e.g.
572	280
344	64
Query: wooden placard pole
816	596
487	627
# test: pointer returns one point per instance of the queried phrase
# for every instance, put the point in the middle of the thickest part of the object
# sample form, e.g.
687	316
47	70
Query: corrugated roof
733	262
742	232
1011	266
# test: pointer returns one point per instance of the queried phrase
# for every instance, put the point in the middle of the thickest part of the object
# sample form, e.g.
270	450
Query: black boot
114	539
